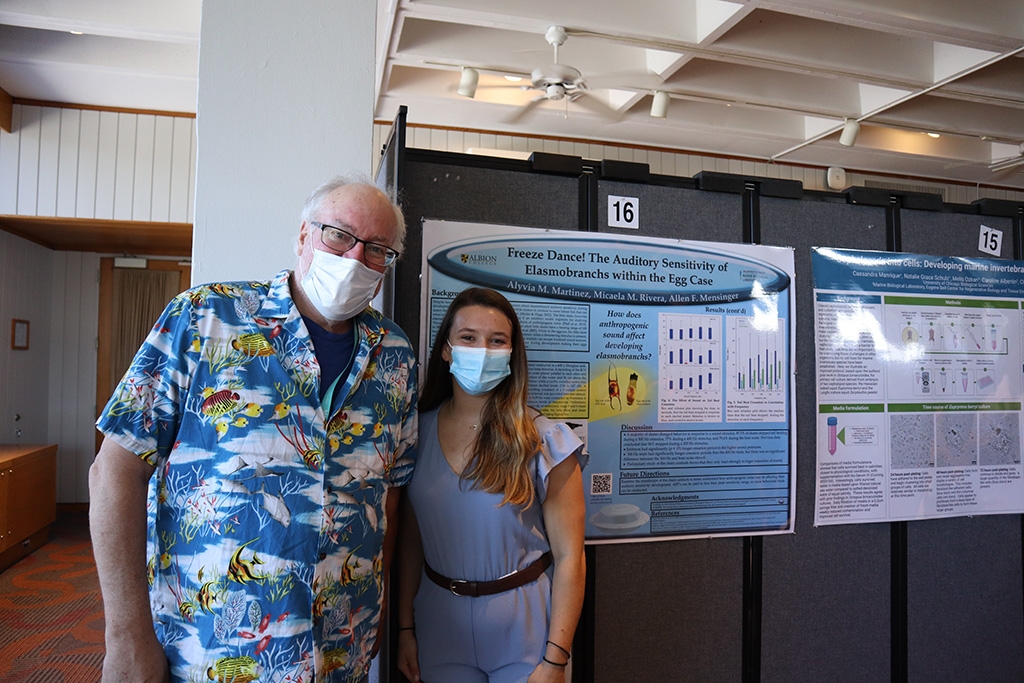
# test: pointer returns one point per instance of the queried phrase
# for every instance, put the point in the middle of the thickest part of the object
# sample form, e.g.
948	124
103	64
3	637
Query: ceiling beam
137	238
6	111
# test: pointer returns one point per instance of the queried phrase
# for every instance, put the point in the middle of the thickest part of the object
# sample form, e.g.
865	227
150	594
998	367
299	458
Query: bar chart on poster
690	368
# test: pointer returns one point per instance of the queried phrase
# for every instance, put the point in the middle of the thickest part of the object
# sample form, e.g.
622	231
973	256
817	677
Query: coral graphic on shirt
341	430
310	449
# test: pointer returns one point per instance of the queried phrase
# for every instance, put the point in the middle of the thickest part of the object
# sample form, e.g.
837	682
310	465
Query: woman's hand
546	673
408	655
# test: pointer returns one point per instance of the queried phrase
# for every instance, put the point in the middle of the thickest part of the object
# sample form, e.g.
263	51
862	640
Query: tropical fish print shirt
266	514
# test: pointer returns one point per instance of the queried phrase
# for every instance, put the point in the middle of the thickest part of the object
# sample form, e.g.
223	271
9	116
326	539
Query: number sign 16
623	212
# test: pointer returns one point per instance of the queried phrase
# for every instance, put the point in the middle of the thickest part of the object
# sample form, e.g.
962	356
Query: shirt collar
278	303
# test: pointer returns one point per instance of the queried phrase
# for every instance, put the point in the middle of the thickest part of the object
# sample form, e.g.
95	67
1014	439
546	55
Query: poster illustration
671	359
919	386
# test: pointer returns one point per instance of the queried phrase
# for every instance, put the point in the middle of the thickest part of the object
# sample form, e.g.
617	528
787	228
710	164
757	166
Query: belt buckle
456	583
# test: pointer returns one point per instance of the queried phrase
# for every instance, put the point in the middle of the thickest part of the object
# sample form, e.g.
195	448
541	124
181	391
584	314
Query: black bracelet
567	655
406	628
560	666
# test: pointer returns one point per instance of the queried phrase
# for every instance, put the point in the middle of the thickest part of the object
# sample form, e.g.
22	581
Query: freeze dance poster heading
919	386
671	359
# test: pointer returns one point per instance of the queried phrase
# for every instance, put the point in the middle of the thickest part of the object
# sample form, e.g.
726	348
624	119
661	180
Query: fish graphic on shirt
242	571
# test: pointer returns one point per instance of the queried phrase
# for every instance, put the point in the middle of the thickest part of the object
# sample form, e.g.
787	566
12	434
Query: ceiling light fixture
849	135
75	33
467	83
659	107
513	79
933	135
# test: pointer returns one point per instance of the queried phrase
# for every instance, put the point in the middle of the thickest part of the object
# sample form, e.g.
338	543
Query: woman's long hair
508	439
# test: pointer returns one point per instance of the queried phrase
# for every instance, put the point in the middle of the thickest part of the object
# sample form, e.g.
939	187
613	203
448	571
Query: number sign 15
990	241
623	212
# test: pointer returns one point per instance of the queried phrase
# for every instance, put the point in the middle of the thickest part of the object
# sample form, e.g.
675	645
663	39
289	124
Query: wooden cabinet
28	499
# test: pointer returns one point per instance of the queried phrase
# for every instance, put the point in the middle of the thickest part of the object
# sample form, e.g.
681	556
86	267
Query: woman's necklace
451	411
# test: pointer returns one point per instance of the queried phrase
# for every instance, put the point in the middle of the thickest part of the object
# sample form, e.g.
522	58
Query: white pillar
285	101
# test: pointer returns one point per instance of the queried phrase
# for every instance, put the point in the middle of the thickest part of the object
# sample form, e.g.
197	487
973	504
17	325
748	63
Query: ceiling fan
557	82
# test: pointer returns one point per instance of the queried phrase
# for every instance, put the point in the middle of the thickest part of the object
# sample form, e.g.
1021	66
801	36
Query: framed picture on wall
19	334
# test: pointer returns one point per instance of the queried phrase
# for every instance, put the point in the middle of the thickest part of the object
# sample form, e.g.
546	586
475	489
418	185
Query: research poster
919	386
671	359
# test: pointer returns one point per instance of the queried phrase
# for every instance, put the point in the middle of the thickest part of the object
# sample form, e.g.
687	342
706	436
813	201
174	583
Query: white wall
285	102
25	295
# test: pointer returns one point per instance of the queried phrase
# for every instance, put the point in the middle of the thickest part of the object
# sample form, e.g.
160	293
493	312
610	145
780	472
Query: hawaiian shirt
266	514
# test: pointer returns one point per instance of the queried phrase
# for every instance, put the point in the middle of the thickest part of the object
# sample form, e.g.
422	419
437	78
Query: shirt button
323	556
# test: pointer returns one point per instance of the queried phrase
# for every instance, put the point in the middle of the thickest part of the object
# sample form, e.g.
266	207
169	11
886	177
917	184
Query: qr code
600	483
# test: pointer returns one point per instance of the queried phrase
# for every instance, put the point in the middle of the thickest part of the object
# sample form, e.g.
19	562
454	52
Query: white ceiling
762	80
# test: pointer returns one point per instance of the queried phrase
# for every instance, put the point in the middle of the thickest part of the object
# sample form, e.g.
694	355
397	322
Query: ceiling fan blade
517	86
588	101
525	109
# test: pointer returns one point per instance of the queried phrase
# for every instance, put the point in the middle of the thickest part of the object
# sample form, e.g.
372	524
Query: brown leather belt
475	589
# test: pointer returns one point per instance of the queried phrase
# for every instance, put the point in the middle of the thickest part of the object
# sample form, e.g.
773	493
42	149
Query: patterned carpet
51	616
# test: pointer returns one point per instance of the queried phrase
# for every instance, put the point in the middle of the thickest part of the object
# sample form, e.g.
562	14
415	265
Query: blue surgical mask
479	370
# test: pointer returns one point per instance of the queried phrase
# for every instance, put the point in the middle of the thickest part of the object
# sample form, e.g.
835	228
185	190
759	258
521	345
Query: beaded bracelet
567	655
560	666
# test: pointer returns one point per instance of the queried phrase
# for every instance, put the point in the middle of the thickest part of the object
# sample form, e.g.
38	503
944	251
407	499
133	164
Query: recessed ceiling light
514	79
933	135
75	33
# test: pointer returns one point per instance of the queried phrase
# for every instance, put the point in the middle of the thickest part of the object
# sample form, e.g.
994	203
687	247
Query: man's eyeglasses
341	241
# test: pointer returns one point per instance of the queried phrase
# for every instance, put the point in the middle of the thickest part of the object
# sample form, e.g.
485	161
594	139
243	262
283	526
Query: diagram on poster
919	386
672	360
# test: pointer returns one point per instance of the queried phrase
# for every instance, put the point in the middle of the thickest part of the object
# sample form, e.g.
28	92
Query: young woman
491	566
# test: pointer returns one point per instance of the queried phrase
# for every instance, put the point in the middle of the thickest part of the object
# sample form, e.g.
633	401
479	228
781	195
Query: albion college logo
479	259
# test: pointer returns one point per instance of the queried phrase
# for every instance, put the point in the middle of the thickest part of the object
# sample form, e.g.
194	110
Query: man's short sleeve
144	411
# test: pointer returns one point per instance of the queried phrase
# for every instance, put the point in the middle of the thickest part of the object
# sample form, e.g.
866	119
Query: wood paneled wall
80	163
72	373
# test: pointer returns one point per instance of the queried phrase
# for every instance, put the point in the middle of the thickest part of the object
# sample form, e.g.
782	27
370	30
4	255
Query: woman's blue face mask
479	370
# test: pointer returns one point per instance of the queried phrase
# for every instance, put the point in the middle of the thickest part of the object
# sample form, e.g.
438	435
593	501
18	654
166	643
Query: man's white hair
311	209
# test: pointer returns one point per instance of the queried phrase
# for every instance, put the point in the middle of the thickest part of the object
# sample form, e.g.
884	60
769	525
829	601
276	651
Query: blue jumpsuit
466	535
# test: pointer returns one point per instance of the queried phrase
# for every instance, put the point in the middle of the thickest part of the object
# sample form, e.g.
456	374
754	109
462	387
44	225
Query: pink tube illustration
832	422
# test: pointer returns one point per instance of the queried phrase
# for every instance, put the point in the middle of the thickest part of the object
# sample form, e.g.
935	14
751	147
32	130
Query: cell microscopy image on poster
956	439
912	441
999	439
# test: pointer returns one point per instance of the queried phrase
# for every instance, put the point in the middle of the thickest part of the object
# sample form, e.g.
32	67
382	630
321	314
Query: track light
467	83
659	107
849	134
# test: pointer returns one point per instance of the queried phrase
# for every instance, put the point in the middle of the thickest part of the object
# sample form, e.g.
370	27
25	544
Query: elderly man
243	501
